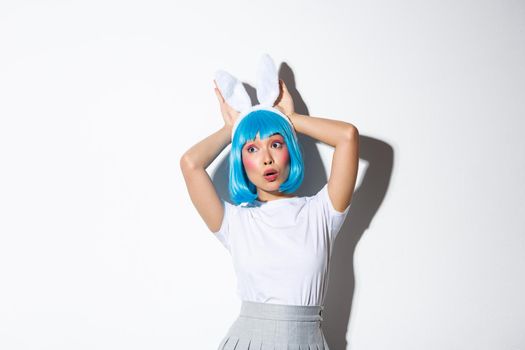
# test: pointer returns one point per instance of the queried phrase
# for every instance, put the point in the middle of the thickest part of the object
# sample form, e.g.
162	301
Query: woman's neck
263	196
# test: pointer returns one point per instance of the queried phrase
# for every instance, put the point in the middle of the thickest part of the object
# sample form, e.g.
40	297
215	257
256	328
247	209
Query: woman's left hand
284	102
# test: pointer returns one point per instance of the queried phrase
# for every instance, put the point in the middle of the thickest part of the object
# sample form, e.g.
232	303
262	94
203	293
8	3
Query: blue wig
266	123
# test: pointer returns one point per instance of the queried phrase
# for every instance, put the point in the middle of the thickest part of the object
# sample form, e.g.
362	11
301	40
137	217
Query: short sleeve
224	231
334	218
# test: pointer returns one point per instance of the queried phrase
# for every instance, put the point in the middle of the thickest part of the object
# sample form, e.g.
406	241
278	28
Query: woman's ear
233	91
267	81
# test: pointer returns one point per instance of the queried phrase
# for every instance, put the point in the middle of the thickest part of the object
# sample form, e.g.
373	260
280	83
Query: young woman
280	243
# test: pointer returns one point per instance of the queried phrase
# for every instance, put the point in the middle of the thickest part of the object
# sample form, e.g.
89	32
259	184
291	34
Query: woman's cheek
284	157
249	164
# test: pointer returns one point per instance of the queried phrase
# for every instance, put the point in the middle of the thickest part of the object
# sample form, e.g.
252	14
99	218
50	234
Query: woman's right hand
229	114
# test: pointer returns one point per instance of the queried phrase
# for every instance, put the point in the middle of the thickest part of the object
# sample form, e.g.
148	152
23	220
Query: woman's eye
278	143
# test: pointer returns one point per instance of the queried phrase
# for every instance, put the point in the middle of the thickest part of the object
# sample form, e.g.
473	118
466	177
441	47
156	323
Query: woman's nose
268	162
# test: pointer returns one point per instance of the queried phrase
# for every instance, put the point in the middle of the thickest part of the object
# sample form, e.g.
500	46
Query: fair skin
344	137
259	155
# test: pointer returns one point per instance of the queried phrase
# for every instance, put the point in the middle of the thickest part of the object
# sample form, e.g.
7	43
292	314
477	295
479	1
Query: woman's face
260	156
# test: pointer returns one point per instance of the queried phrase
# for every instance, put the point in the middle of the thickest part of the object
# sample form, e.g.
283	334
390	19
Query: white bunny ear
233	91
267	81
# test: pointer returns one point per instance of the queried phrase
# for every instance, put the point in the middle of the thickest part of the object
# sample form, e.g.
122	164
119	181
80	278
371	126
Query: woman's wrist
227	130
292	116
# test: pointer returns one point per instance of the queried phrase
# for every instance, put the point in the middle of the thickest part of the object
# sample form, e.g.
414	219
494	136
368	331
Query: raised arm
194	162
202	192
343	136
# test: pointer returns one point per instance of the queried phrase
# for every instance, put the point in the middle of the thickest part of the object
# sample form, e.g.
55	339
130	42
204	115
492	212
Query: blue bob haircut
266	123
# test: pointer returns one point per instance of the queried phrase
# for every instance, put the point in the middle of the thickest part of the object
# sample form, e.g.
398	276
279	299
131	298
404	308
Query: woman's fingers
218	92
284	102
285	89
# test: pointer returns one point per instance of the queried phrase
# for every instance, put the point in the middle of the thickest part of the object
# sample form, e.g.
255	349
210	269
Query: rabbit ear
267	81
233	91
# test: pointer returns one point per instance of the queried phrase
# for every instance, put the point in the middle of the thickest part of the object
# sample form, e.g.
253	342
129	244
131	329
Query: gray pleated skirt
264	326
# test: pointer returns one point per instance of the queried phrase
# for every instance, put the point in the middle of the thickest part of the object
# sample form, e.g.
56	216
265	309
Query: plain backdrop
101	247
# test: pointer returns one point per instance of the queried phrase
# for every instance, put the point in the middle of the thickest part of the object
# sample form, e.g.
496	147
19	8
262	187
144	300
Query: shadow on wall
366	201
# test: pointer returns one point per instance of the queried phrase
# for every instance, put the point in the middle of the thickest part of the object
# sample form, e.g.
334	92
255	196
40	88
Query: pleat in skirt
264	326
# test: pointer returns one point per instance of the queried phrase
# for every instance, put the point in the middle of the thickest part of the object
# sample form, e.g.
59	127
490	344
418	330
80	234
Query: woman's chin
270	186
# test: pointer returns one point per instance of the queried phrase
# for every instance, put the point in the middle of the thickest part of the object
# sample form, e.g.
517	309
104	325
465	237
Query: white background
101	248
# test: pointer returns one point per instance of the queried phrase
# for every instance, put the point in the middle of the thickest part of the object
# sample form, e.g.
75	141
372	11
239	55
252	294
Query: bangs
265	123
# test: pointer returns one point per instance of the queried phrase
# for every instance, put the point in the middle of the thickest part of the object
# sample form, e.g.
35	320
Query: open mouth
271	175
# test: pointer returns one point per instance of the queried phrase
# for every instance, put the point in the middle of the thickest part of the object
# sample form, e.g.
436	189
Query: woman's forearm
328	131
202	154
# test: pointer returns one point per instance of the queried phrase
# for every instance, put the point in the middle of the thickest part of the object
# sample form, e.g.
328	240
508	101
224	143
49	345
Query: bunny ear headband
267	91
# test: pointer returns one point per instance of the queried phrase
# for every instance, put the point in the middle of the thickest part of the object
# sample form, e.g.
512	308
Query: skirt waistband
281	311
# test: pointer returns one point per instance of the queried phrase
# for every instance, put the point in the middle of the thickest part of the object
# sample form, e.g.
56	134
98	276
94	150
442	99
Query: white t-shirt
281	248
